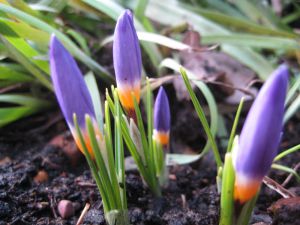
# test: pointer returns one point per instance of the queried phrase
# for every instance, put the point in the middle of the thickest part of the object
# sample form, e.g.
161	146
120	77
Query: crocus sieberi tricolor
127	62
260	136
71	91
162	118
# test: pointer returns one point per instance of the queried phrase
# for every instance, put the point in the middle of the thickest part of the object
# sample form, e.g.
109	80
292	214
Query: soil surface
36	173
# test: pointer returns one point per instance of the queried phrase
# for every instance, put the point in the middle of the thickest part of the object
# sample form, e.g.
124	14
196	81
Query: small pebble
172	177
41	177
65	209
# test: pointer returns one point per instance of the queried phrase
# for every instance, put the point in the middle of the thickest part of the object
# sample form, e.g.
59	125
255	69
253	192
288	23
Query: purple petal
162	112
70	89
126	51
260	136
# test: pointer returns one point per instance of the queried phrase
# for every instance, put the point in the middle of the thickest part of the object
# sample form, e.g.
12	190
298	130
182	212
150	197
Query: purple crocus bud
70	89
127	61
162	118
260	136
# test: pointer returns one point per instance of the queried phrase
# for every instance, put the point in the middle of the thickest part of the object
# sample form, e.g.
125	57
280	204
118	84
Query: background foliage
253	32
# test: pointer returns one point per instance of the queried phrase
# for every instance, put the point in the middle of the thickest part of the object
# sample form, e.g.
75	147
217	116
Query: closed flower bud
127	61
70	90
162	118
260	136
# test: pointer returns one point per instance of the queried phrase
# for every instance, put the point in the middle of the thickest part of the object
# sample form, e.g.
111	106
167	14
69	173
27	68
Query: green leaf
21	5
91	83
78	53
259	13
154	38
80	40
293	90
241	24
117	217
11	114
292	109
171	13
181	159
249	40
171	160
19	57
91	163
162	40
140	15
23	99
227	202
26	106
137	140
116	170
286	152
225	7
119	154
148	154
12	76
234	126
26	32
172	64
110	105
287	170
112	194
53	6
202	117
246	211
140	9
23	47
43	8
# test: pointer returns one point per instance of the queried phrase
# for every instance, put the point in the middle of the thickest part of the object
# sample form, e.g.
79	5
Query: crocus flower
70	90
162	118
260	136
127	61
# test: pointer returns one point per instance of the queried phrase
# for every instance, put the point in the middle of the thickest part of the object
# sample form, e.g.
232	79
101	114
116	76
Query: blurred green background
259	34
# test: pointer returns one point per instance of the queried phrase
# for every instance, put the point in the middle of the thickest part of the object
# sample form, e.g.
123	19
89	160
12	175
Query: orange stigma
244	190
126	96
162	137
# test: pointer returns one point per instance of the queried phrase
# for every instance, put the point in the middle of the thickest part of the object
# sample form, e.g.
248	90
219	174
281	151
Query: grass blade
91	82
78	53
173	14
286	152
202	118
227	201
172	64
234	126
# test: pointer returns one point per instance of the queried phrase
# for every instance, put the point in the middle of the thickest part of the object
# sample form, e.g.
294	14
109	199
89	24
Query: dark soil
190	199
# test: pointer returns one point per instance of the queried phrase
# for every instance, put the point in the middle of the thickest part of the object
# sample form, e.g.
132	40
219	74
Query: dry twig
290	176
84	211
278	188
